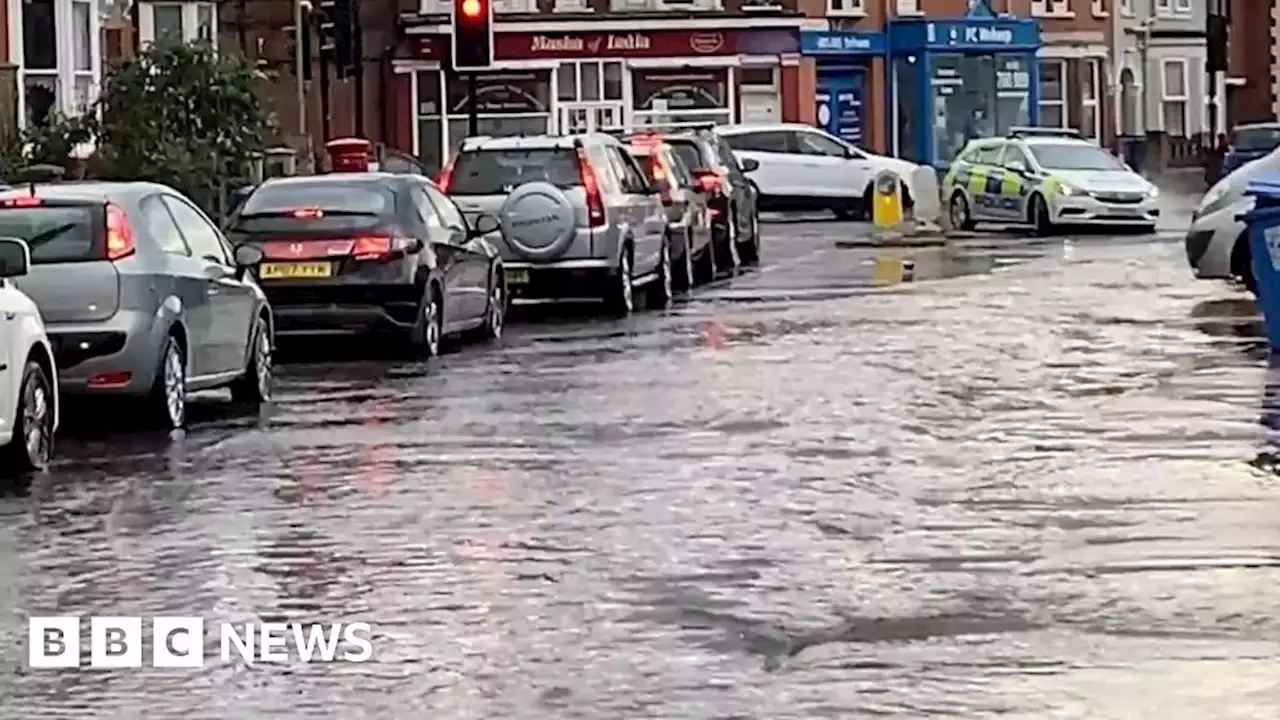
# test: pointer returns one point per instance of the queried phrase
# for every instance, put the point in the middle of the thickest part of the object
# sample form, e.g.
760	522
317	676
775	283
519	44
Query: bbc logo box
115	642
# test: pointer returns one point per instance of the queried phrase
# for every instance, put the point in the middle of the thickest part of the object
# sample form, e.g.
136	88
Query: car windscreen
56	233
323	206
1257	139
689	154
1074	156
497	172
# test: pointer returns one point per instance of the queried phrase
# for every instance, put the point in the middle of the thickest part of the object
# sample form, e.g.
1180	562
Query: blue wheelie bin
1263	222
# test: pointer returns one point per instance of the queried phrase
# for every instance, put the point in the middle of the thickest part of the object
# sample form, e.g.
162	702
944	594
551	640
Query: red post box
348	154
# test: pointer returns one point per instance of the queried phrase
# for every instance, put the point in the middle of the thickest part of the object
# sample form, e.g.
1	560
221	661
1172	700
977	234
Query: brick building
1253	90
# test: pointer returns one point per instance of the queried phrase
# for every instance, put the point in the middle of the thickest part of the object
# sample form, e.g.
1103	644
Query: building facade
1159	68
1253	88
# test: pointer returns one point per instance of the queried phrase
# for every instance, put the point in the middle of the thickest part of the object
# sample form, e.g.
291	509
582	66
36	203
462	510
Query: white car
803	168
28	378
1217	247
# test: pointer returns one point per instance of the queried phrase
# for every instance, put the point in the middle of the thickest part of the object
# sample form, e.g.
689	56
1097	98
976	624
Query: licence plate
289	271
518	277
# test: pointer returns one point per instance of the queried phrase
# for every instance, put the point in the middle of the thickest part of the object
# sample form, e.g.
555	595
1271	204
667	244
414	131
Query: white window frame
1182	7
847	8
1093	66
1164	7
1051	8
1126	8
1183	99
1100	9
65	73
190	20
1061	102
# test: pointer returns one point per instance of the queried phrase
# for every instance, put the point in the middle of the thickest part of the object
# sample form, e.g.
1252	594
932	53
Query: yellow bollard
886	211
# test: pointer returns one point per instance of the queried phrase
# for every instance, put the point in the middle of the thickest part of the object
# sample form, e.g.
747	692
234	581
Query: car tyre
661	293
960	215
495	312
428	328
749	251
253	388
1038	214
620	297
32	444
168	398
683	279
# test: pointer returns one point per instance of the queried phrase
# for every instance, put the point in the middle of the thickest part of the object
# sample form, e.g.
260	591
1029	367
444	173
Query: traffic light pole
300	68
326	105
473	106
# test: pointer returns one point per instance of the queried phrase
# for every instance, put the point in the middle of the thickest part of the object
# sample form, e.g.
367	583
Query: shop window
589	81
1053	82
846	7
510	103
908	117
976	96
688	96
1090	94
1174	98
758	95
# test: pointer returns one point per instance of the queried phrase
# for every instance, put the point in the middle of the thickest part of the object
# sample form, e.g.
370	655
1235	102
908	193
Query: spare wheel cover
538	221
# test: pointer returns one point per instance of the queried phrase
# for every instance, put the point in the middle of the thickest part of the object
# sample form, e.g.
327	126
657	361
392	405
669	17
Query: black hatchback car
730	194
370	252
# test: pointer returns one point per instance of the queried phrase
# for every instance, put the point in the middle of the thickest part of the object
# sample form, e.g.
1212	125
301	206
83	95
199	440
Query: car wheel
428	327
495	315
749	251
32	442
168	398
660	294
1038	212
254	387
961	218
621	294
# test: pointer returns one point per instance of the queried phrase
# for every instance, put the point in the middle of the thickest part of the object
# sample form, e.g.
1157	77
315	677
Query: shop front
850	76
955	80
588	81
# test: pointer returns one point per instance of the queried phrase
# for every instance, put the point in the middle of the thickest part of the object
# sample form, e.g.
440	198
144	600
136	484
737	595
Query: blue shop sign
834	42
973	34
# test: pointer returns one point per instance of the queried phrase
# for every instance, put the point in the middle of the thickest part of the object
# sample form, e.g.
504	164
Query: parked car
1250	142
802	168
580	220
1217	244
731	194
1045	180
141	295
372	253
689	220
29	407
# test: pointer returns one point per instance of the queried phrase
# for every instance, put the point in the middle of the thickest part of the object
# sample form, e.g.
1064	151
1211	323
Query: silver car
141	294
579	217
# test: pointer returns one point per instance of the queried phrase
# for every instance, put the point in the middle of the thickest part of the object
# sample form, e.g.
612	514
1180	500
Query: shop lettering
843	42
568	44
988	35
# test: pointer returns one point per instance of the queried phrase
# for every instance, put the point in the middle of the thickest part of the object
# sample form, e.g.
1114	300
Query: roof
762	127
532	142
84	189
334	178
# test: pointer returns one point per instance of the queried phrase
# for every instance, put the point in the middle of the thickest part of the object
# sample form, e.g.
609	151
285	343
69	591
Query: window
55	234
493	172
845	7
1182	7
1074	156
85	77
673	97
1050	7
179	22
633	179
1100	8
202	237
426	211
987	155
811	143
1174	98
448	211
1053	76
1090	82
160	227
1126	8
1013	156
769	142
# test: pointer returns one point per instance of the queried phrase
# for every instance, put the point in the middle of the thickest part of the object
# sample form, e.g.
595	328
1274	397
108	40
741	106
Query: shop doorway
585	117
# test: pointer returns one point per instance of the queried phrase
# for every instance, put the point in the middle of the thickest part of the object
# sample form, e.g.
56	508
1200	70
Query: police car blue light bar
1029	131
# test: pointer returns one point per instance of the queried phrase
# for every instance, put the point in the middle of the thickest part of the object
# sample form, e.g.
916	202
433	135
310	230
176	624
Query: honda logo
295	248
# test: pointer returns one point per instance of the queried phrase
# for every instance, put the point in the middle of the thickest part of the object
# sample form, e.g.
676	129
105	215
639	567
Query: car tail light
446	175
661	179
119	234
709	180
382	248
590	184
110	379
24	202
308	213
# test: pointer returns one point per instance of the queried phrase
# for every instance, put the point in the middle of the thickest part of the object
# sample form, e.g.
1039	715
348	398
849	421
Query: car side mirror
15	258
749	165
484	224
248	256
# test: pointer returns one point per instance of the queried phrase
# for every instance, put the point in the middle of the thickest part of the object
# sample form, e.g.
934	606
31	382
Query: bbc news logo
180	642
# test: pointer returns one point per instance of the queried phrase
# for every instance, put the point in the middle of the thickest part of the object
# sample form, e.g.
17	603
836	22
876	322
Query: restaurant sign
653	43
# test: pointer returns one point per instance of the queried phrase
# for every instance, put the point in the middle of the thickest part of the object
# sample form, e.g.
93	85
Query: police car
1046	177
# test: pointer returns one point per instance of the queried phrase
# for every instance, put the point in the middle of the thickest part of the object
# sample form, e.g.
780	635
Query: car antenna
40	172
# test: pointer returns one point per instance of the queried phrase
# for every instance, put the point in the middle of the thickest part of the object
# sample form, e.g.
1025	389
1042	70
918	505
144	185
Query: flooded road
1037	490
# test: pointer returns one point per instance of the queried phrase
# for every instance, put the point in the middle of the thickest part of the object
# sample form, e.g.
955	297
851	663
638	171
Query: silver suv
580	219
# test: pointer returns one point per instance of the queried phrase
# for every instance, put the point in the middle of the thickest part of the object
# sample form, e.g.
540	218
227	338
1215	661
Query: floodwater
1041	485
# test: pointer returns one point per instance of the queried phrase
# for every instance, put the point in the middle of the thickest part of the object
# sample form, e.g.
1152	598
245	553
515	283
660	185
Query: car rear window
1257	138
324	205
689	154
55	234
497	172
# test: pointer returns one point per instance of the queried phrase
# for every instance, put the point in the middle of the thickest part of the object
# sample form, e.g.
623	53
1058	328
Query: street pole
473	106
1144	55
299	68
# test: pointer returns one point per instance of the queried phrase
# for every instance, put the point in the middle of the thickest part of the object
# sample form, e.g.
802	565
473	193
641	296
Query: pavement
1038	480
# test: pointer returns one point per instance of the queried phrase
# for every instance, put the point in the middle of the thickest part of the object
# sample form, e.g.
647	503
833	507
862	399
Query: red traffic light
472	8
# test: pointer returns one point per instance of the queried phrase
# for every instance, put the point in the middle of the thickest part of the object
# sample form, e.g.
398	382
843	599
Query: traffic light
346	35
472	34
300	43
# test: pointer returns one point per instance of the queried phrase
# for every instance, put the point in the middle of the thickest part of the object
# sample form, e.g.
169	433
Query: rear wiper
52	233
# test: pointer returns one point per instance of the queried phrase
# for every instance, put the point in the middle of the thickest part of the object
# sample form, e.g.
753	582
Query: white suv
28	378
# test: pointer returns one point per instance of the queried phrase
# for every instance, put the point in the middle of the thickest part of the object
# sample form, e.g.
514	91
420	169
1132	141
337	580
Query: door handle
212	290
10	316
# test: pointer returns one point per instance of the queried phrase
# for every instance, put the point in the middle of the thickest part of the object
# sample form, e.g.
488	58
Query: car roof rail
1026	131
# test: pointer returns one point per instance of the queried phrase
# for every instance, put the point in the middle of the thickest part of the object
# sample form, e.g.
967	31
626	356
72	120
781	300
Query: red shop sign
655	43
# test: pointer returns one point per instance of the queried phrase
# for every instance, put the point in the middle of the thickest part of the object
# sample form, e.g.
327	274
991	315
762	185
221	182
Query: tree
184	115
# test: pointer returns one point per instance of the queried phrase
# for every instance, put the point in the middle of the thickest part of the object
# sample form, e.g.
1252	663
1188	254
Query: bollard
886	211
